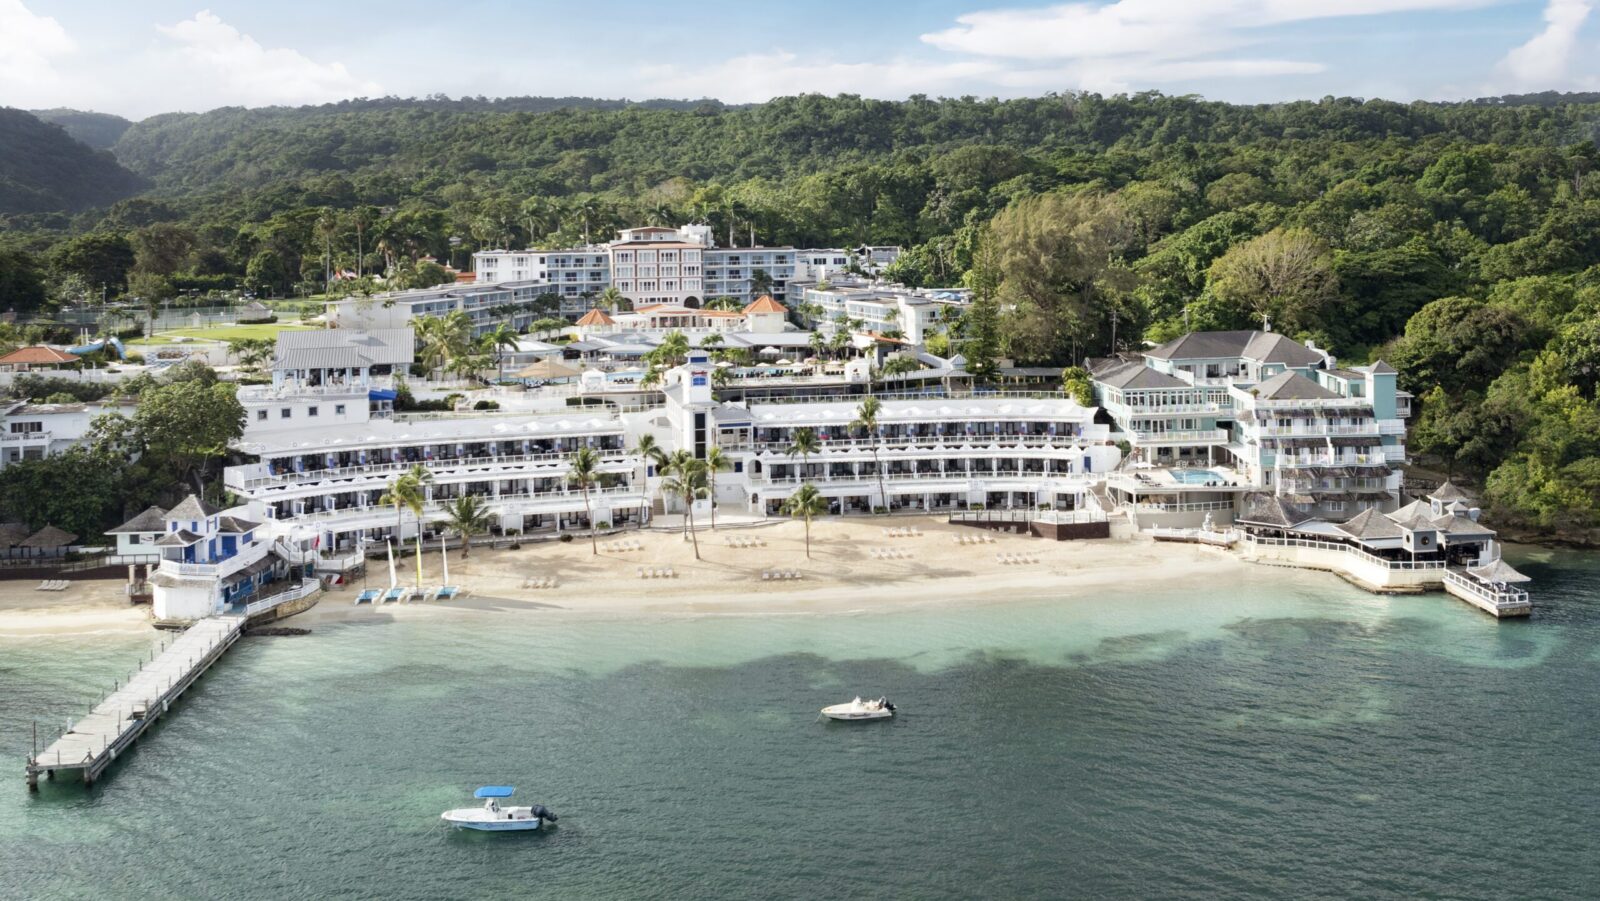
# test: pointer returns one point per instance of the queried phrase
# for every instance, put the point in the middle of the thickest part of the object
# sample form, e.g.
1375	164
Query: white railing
1345	549
940	443
1285	461
1123	406
217	570
1498	596
282	597
609	455
1195	507
437	506
1318	431
1198	536
1177	437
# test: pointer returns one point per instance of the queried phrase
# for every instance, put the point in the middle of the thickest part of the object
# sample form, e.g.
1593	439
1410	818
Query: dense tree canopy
1460	241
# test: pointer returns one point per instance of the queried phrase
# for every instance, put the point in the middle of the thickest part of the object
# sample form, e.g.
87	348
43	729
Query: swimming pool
1195	476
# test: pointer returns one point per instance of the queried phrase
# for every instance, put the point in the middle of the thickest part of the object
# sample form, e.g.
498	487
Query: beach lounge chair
641	572
368	595
671	574
766	576
42	586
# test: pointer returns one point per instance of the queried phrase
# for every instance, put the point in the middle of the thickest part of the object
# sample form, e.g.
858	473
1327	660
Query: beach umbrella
785	362
769	351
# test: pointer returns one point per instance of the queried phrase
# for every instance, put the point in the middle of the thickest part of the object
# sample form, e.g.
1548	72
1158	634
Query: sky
141	57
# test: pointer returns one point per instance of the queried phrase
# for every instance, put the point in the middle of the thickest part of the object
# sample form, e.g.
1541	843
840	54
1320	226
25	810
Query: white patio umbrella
769	351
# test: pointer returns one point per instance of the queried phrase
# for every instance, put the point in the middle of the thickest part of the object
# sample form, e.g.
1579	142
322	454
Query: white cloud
1161	28
1542	63
1115	46
29	46
215	64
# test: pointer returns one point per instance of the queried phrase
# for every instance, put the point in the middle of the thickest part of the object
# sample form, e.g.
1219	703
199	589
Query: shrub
566	537
880	509
486	405
602	526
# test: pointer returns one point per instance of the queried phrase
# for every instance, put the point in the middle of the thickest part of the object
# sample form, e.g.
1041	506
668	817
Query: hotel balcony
380	516
219	569
255	476
1316	430
1192	436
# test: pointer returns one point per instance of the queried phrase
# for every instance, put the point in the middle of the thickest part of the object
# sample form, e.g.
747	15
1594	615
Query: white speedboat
858	709
496	817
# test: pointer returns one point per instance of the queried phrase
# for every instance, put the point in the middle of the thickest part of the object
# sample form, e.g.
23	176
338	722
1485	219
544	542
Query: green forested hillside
1460	241
99	130
42	169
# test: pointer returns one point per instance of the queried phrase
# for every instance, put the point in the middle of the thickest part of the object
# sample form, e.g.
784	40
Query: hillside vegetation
99	130
43	169
1459	241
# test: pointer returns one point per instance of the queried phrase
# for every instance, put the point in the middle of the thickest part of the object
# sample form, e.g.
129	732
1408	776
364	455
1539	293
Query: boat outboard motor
887	704
543	812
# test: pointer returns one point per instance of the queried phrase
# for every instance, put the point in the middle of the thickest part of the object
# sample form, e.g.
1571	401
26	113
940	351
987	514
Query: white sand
840	575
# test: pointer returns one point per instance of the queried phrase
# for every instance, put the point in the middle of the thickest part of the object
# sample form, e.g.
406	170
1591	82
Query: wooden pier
92	743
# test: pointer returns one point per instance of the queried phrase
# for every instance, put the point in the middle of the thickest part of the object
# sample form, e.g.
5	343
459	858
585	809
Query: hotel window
311	411
338	409
284	413
26	428
261	415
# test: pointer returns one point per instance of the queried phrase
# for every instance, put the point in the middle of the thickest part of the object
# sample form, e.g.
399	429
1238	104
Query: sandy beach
842	575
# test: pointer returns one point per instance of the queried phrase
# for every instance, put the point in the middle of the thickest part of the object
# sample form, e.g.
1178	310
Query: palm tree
806	503
716	461
673	349
585	472
650	449
610	299
867	421
502	338
686	478
443	338
418	477
804	443
467	517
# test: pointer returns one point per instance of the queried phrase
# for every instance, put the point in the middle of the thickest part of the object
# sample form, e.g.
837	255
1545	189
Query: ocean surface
1283	737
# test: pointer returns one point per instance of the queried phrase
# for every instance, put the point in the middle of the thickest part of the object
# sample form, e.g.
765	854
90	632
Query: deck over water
92	743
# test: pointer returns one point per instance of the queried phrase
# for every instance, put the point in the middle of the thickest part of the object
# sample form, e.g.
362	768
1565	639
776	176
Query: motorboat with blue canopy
495	817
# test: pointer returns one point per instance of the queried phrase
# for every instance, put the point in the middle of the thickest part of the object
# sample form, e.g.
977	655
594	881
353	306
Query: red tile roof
36	356
596	317
765	304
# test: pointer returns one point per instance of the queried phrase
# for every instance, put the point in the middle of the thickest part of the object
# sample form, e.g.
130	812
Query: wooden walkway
92	743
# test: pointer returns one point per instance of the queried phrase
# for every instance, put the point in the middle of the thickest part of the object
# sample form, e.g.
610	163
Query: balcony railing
437	506
1318	431
609	457
1202	436
218	569
942	442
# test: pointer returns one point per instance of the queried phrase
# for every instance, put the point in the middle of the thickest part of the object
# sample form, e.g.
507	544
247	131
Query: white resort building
1260	442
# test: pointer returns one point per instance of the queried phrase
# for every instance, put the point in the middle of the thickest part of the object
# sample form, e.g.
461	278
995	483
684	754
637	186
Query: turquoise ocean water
1285	736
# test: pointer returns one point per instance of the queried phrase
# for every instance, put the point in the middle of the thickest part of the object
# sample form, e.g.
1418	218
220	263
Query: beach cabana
48	542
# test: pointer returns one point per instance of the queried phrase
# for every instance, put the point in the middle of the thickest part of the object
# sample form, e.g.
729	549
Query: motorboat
496	817
858	709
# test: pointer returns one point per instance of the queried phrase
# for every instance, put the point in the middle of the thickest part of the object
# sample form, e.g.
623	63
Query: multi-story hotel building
1281	415
659	265
916	313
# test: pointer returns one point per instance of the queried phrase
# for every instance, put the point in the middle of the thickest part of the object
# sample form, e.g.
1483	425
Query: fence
1383	562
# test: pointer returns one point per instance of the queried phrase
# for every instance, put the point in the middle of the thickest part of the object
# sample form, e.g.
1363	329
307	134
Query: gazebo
48	542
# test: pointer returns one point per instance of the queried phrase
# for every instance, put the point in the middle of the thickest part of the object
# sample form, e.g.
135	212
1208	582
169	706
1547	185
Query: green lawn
223	333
